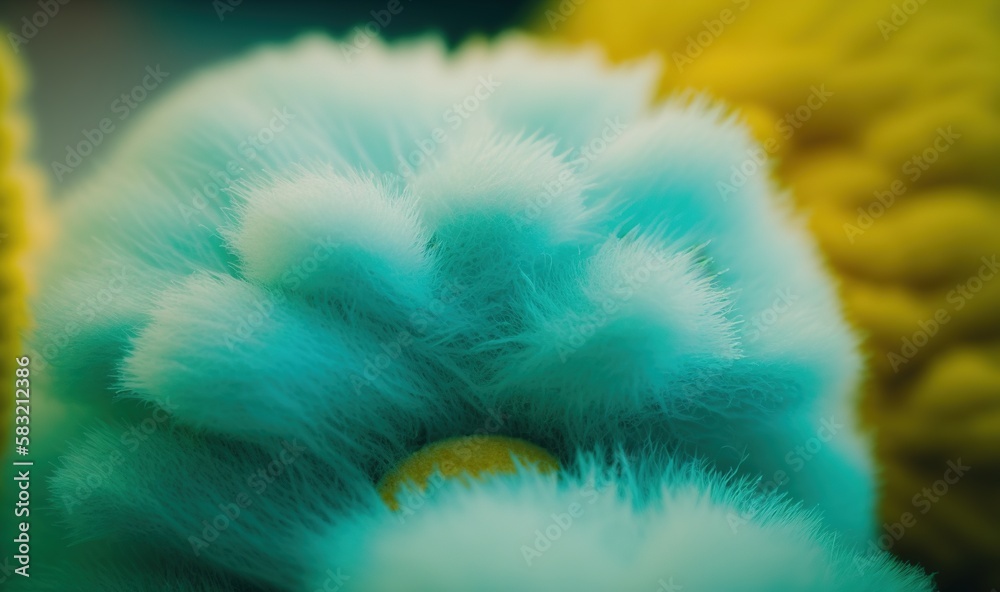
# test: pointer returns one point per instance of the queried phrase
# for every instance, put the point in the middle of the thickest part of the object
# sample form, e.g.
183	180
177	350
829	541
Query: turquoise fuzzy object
304	265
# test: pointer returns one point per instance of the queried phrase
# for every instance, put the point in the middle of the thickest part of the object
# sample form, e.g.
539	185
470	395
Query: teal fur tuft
306	264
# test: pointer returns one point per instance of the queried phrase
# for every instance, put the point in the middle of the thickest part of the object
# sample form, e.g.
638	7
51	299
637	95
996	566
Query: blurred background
91	51
884	117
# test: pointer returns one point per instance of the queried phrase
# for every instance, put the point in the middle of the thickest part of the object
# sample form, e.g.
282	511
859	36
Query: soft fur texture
529	532
561	267
897	172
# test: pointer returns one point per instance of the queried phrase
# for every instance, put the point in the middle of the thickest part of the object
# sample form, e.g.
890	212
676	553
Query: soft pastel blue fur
331	310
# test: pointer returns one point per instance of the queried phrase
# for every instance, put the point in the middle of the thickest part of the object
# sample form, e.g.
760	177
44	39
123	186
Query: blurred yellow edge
21	225
902	73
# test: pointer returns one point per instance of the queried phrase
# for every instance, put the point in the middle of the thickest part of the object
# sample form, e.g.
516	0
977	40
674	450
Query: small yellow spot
469	456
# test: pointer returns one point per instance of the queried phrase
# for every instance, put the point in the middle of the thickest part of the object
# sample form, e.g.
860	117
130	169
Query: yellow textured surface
471	456
20	186
12	140
906	78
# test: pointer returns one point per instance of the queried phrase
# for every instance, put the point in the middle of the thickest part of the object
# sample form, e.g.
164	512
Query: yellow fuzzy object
885	116
20	182
460	458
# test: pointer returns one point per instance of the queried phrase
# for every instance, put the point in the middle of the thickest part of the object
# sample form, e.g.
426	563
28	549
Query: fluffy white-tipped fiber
416	245
598	532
